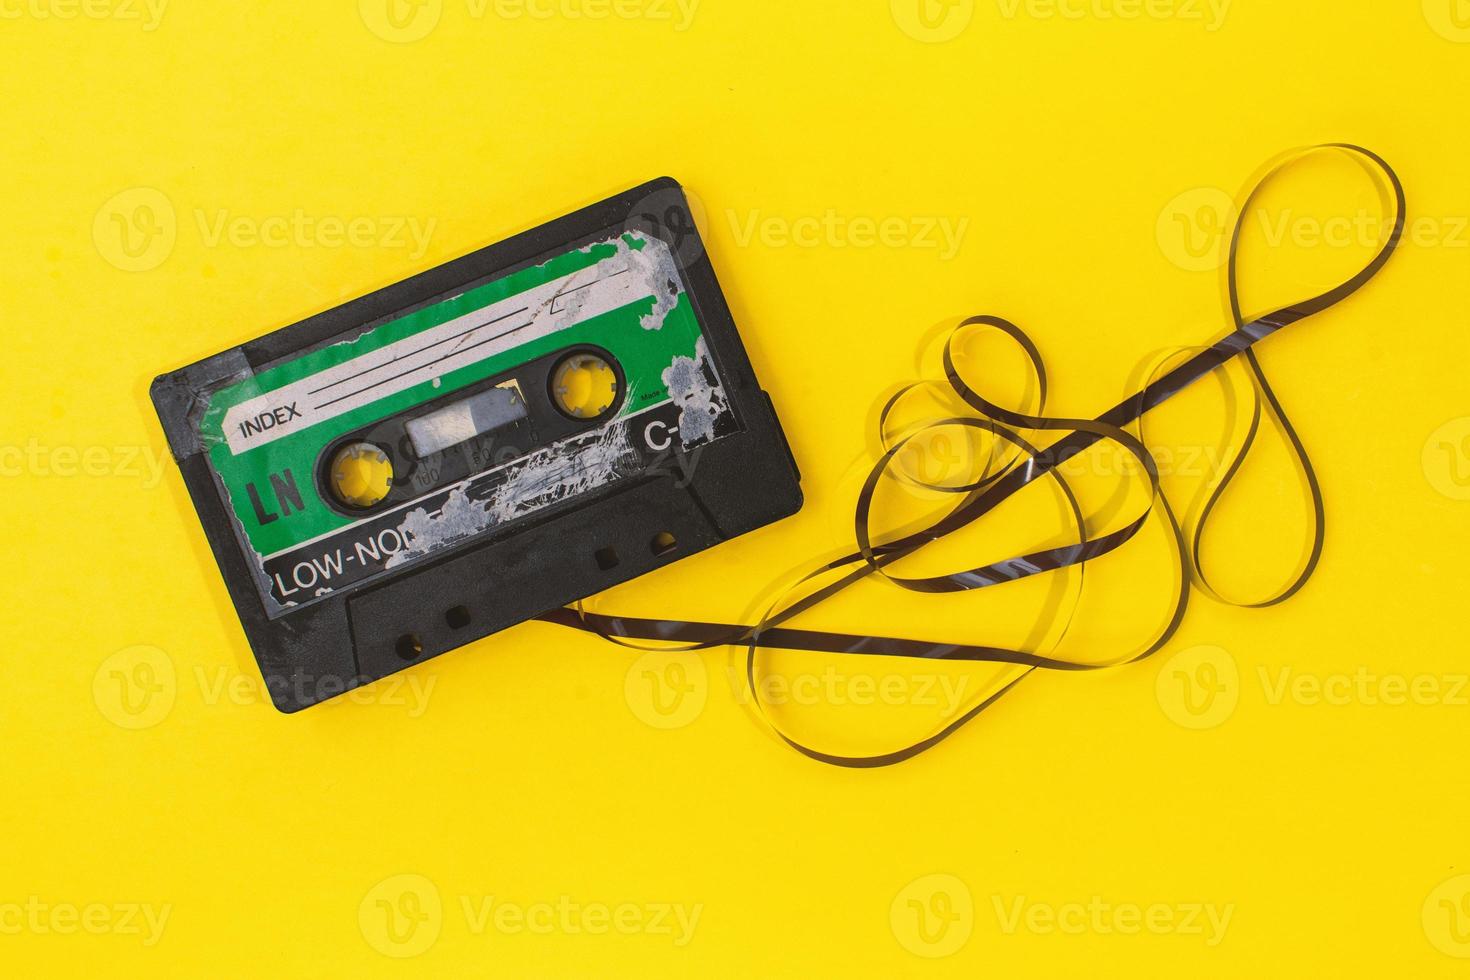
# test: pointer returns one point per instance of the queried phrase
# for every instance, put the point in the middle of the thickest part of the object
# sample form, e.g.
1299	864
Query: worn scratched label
266	435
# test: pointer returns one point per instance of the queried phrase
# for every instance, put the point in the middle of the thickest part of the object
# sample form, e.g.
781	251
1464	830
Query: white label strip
611	284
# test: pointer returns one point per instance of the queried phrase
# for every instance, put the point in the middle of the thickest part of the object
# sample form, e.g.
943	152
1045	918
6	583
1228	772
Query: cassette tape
508	433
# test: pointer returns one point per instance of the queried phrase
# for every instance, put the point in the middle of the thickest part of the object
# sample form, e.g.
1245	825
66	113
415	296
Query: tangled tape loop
1028	463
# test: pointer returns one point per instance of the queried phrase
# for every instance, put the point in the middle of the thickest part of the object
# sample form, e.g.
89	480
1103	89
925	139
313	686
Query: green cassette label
266	435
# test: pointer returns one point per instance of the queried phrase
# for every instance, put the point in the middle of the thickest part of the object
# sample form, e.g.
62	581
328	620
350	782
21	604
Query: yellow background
144	768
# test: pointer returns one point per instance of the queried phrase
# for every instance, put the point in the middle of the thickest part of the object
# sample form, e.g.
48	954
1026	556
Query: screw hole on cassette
663	543
410	647
607	559
457	618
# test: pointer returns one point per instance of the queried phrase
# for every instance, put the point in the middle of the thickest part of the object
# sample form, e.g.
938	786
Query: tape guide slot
469	431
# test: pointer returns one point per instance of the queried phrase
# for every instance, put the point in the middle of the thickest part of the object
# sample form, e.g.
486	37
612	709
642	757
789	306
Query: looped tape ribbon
1028	462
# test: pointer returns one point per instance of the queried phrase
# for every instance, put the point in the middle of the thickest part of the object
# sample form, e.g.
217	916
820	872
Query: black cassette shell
742	481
